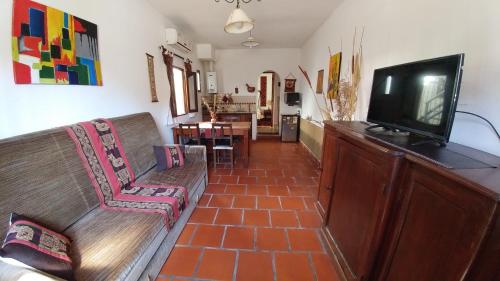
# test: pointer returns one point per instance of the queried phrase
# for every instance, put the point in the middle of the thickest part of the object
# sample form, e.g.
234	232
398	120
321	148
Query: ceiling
279	23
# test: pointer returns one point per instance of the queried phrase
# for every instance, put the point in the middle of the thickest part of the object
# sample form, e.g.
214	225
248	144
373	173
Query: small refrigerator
290	128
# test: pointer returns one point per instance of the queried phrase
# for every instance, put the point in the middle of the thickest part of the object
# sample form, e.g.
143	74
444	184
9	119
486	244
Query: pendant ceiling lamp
238	21
250	42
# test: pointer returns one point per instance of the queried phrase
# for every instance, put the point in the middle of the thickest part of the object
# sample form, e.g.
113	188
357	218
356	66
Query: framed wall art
334	75
50	46
319	83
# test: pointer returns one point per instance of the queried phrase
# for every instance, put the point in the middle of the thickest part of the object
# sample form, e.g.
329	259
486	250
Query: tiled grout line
255	238
288	240
298	218
311	265
281	204
223	237
198	263
256	250
190	240
215	216
273	261
236	261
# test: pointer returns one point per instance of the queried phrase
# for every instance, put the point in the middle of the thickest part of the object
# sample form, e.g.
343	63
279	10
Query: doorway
267	103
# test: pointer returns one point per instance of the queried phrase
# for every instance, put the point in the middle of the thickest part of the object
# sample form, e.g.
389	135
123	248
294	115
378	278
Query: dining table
240	129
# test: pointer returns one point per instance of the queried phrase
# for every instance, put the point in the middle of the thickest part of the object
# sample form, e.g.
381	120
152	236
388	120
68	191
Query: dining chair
222	142
189	134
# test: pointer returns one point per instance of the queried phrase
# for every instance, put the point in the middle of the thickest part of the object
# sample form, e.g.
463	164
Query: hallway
258	223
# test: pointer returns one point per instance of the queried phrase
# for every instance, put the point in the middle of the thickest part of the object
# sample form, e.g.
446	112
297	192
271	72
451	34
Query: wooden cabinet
362	187
234	117
327	172
393	215
438	228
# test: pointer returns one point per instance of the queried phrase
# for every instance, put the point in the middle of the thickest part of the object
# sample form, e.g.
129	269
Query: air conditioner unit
177	39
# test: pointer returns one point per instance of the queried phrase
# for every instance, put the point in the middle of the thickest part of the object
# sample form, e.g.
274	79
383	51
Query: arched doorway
268	103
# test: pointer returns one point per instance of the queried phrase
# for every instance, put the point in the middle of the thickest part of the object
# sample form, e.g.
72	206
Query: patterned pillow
38	247
169	156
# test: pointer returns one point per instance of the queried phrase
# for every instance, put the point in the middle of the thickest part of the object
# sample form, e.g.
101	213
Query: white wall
127	30
236	67
398	31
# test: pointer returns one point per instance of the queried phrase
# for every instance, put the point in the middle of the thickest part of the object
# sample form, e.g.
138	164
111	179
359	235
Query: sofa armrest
196	152
12	270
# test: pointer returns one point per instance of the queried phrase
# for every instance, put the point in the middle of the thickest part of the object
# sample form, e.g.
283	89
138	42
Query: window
198	81
179	101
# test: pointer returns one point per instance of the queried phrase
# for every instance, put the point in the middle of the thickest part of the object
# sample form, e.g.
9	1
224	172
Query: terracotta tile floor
258	223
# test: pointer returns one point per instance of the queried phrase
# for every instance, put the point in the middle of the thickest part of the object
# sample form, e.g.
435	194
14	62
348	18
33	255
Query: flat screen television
292	99
418	97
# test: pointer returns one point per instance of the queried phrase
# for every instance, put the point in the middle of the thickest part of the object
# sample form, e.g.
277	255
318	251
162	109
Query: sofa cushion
168	157
37	246
42	177
111	245
138	134
185	176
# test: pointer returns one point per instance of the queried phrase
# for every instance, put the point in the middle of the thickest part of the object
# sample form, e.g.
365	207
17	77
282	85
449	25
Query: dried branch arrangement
341	105
212	108
347	97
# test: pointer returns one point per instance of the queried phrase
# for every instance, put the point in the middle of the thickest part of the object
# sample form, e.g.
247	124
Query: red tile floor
257	224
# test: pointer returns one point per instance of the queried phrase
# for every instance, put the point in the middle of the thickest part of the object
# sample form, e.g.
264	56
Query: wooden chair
189	134
222	142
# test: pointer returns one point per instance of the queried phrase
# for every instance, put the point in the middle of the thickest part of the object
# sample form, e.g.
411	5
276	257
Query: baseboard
317	161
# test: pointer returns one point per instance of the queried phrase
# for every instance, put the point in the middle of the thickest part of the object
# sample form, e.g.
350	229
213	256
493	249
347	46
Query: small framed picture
290	85
319	85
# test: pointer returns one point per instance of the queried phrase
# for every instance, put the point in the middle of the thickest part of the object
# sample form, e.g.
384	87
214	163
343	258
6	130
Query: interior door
439	228
263	91
358	203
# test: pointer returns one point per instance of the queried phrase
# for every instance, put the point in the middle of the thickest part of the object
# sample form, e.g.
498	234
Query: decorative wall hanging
53	47
334	75
319	83
290	83
347	97
250	89
152	81
309	83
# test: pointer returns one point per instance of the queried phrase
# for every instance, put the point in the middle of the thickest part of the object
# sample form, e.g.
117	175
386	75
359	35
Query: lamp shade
250	43
238	22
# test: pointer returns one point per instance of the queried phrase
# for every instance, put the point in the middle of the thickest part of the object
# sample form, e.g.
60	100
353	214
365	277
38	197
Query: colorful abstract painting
53	47
334	75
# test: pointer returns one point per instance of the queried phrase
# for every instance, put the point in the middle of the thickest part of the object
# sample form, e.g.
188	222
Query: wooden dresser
391	213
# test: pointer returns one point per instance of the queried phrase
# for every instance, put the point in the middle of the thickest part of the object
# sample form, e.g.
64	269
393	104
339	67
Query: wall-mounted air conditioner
177	40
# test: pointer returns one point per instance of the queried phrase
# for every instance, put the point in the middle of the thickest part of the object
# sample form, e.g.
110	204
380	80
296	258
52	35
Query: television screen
292	99
418	97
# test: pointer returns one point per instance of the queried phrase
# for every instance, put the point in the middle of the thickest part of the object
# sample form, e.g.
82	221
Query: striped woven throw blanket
102	154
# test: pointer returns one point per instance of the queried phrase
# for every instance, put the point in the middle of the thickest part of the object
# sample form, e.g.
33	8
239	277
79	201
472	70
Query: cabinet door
327	173
360	196
439	229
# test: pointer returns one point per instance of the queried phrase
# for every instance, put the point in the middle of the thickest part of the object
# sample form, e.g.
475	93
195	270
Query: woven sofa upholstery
42	177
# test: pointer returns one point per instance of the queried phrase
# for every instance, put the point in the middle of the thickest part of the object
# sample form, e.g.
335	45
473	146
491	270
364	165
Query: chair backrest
222	131
189	132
